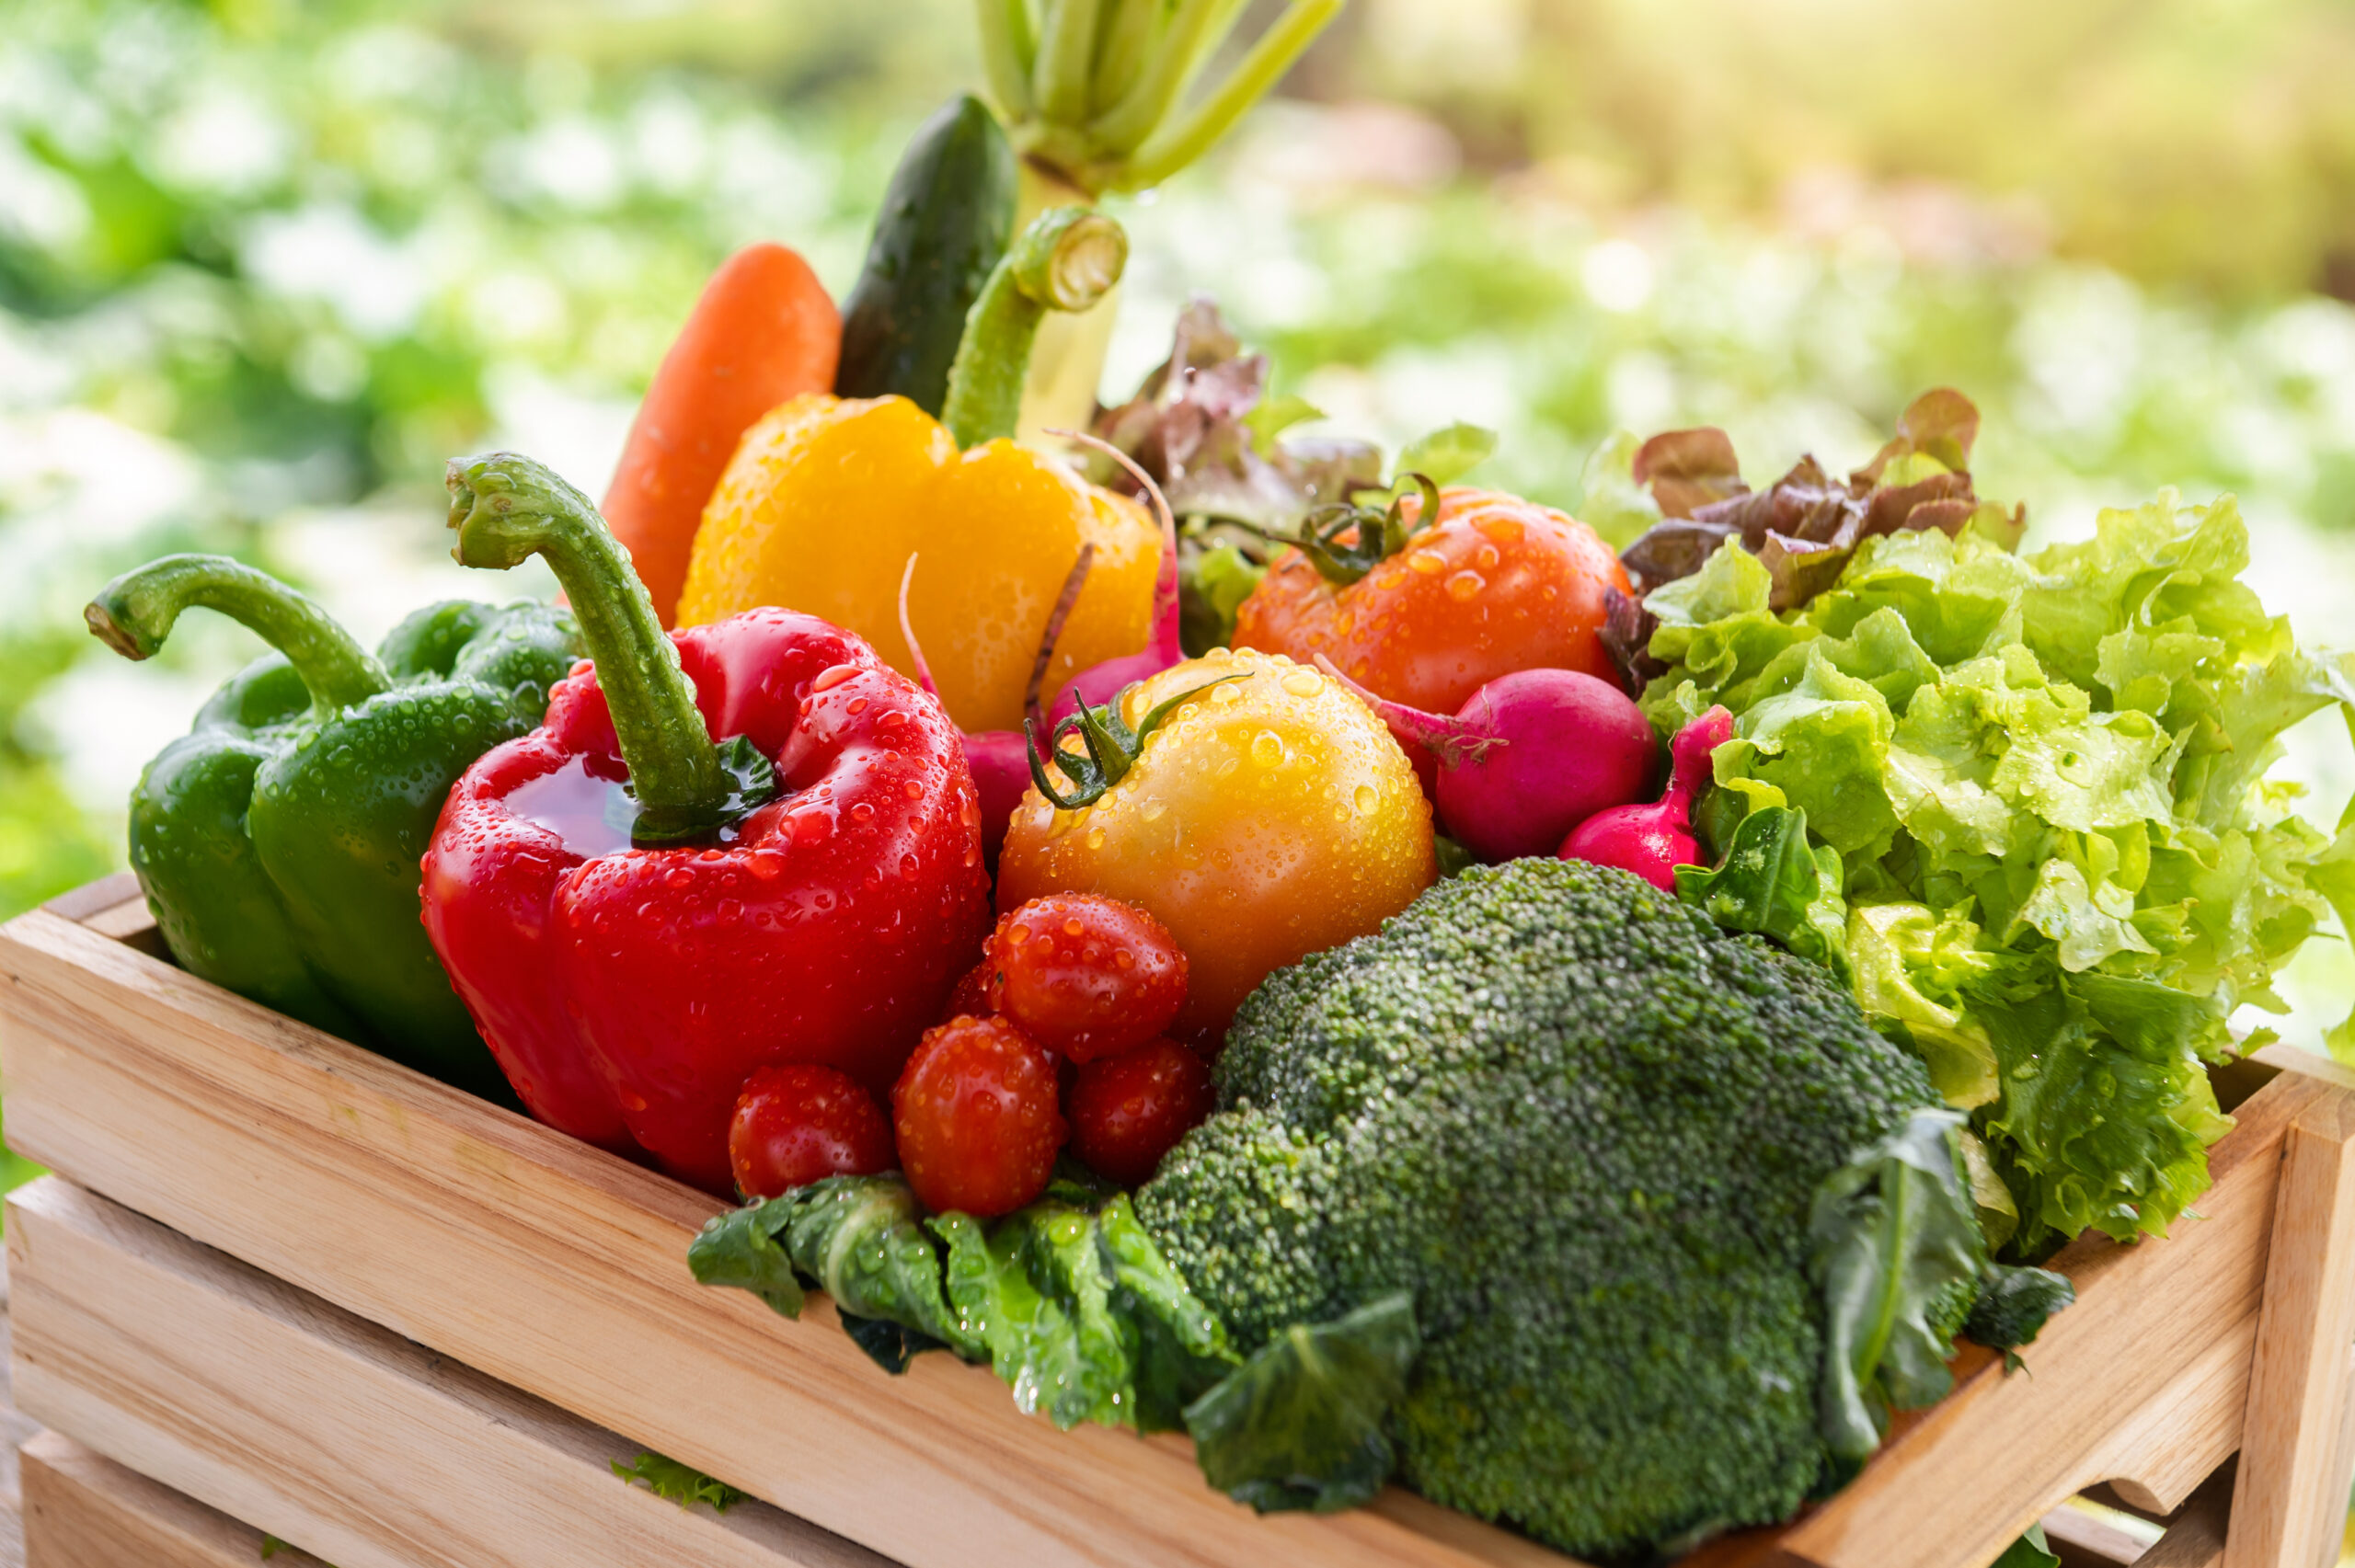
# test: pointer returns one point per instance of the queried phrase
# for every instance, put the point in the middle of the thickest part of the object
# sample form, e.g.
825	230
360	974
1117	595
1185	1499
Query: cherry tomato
794	1124
977	1117
1494	585
972	997
1128	1111
1269	817
1086	977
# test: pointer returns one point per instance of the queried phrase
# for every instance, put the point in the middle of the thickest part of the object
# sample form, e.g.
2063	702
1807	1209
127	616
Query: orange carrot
764	331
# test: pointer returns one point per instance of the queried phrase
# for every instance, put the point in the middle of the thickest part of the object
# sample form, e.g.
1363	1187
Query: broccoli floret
1583	1129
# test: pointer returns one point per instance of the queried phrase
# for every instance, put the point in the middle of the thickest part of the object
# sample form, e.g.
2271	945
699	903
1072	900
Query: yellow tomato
827	497
1270	817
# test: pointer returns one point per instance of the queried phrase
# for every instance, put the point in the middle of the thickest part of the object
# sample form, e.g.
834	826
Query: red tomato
1492	585
972	997
1085	976
1128	1111
795	1124
976	1113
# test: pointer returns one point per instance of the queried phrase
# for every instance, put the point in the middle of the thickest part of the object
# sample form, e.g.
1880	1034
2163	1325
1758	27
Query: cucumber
945	221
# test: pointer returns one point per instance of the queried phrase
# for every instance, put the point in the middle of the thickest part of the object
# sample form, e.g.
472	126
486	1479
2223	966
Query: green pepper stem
134	613
507	507
1067	259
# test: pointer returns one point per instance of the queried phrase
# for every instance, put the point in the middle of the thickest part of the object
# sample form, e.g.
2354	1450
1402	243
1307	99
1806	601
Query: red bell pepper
639	919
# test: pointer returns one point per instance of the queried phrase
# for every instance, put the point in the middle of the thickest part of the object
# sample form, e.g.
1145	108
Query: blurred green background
265	266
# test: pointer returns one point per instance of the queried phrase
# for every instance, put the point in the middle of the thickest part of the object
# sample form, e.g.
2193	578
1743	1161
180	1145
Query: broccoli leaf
683	1485
1302	1424
2013	1307
1897	1254
1774	883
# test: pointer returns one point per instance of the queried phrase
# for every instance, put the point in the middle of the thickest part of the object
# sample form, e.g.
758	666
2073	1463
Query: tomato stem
1111	747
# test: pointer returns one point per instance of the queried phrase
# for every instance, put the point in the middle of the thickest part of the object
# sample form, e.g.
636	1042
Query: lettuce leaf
2043	781
1776	883
1068	1300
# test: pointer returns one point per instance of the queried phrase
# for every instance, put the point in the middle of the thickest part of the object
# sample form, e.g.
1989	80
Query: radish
1654	839
1000	759
1529	757
1100	683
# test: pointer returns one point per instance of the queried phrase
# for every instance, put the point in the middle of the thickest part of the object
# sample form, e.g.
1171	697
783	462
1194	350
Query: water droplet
1226	696
1464	585
1303	684
830	679
909	867
1153	810
1487	557
1096	839
1268	750
912	790
862	813
1430	563
1367	798
1503	530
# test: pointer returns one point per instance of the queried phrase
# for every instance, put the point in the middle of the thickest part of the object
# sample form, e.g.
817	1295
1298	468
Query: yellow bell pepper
827	497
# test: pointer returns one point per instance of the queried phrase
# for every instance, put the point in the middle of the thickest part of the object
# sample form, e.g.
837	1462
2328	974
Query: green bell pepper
278	841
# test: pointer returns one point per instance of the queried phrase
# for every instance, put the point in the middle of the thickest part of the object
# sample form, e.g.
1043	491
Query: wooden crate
360	1207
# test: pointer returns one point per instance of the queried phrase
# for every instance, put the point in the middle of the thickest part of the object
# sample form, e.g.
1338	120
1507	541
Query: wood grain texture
83	1510
2143	1382
2290	1504
2195	1537
559	1269
274	1407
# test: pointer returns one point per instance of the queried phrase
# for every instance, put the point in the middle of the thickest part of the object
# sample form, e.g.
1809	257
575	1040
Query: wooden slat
559	1269
2142	1383
2082	1539
83	1510
2195	1537
246	1393
92	898
2290	1506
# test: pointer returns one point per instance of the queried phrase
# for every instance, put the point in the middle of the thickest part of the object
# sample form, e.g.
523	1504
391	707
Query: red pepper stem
506	509
135	613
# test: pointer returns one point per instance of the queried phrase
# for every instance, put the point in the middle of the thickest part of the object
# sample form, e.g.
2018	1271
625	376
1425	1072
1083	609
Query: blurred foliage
2204	140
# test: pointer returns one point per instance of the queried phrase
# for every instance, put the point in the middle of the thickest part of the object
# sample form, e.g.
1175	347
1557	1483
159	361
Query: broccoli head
1583	1129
